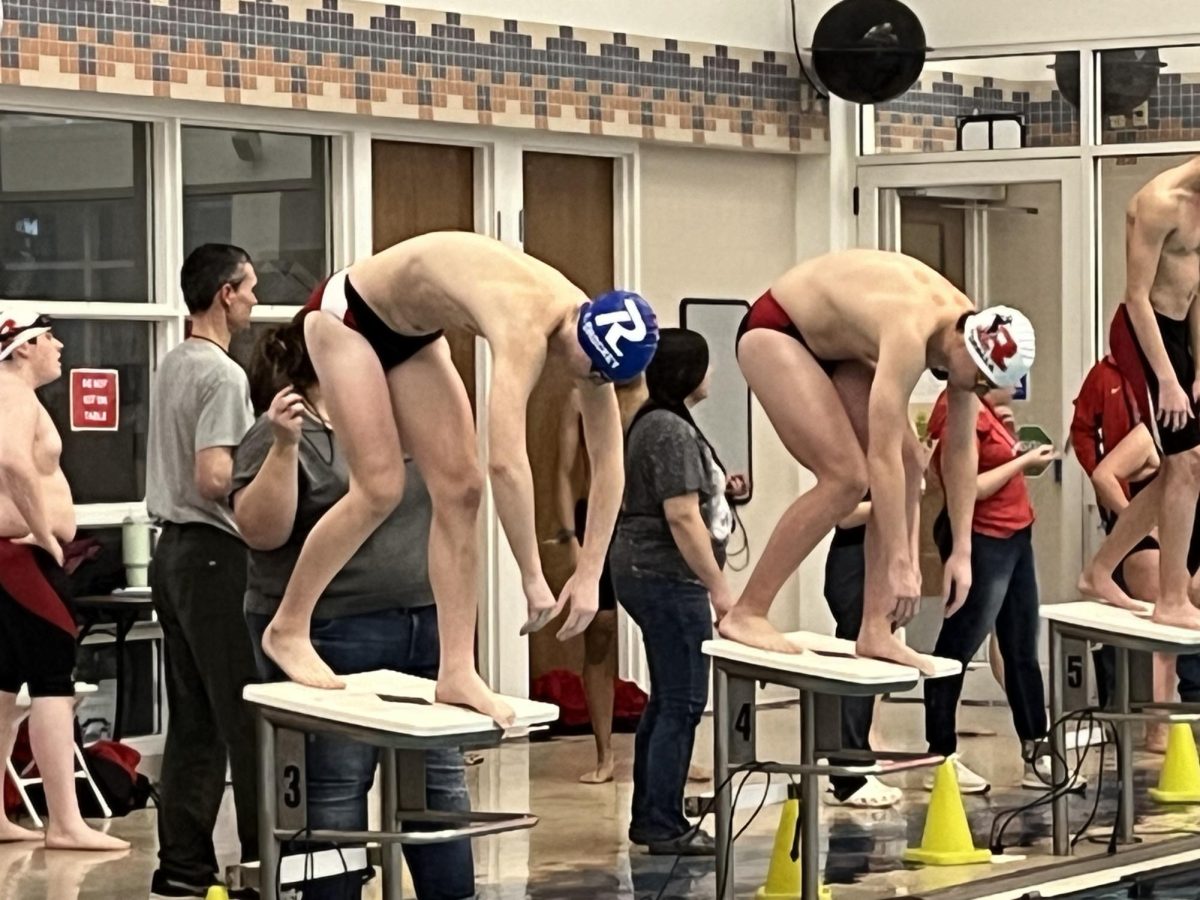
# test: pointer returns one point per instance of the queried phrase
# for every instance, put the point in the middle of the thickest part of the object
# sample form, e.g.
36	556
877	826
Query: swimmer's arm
265	509
17	473
901	361
960	465
1145	236
513	378
859	517
568	450
213	473
1133	454
605	449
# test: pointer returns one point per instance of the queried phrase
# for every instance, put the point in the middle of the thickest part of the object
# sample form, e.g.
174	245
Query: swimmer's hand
49	543
583	594
541	603
956	582
1174	405
736	486
905	586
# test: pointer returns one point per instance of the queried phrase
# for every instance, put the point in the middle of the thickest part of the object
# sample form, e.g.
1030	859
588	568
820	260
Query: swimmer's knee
380	489
847	481
461	491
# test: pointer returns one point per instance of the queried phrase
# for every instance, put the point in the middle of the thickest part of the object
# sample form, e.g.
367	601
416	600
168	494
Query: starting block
1071	624
827	671
396	713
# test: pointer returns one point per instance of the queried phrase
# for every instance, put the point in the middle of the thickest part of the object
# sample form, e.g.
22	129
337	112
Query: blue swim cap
619	333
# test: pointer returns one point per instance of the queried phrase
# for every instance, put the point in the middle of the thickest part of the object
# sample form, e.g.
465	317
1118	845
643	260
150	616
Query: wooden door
416	188
568	223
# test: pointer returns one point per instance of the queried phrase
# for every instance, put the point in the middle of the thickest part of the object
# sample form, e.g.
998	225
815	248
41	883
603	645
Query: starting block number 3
742	730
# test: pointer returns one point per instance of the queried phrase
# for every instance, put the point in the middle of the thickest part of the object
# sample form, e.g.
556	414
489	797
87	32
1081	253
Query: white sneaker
968	781
1038	778
874	794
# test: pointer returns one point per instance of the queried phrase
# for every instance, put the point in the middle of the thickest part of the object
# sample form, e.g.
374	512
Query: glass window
105	466
266	193
1149	94
73	209
998	102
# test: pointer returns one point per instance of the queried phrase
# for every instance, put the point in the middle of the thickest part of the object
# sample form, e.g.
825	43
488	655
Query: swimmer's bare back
456	279
844	302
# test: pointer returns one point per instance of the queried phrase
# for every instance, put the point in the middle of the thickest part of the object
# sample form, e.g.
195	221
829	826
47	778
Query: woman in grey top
667	561
377	613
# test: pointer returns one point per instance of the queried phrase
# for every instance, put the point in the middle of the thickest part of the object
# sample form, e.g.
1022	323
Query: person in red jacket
1003	594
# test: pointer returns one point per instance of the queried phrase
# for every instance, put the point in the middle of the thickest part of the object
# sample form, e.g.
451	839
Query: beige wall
724	225
1031	246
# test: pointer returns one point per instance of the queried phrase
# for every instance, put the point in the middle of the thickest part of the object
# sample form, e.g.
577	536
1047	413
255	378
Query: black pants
198	580
845	574
1003	595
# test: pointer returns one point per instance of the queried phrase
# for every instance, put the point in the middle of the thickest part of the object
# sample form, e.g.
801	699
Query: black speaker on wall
868	51
1127	78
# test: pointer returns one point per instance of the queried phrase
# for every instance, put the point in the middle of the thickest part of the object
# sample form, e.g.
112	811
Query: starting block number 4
742	722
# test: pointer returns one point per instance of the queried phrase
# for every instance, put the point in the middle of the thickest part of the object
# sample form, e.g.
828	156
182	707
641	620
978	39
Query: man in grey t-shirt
199	412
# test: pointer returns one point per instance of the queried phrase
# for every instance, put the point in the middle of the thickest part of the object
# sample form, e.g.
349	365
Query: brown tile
299	101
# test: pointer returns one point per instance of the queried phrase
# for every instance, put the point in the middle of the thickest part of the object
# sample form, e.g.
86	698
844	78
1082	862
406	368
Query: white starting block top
827	658
81	688
1102	617
361	704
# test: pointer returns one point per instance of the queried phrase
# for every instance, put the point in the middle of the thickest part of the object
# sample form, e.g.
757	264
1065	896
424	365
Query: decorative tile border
1172	114
924	119
353	56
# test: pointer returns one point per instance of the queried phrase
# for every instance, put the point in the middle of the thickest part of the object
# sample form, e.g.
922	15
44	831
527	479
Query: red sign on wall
94	400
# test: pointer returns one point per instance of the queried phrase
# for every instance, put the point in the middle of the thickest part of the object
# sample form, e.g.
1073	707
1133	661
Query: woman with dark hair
667	560
377	613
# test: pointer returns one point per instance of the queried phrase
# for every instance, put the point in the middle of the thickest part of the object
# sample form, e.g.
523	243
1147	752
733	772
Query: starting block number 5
742	730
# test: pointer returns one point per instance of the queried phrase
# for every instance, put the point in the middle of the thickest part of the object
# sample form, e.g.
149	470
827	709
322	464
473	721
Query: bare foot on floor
602	774
1182	615
10	833
294	654
1100	586
81	837
1156	738
470	691
892	649
755	631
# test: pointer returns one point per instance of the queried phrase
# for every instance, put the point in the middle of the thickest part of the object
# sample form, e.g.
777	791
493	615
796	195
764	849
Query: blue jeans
1004	596
339	772
675	619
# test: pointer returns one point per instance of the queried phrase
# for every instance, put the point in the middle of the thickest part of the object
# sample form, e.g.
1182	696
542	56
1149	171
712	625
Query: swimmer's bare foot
1156	738
294	654
80	836
1181	615
10	833
1099	585
891	648
754	631
602	774
468	689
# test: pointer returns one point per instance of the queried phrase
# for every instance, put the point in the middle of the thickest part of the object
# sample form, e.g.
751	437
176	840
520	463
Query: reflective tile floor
579	849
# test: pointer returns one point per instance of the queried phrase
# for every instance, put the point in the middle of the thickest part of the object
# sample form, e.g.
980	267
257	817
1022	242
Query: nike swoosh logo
1115	390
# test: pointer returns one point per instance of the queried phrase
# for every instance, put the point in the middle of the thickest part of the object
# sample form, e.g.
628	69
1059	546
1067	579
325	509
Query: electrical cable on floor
753	769
996	843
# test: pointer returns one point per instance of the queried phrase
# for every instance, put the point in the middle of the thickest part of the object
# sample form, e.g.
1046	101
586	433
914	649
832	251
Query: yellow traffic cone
1180	778
783	875
947	838
217	892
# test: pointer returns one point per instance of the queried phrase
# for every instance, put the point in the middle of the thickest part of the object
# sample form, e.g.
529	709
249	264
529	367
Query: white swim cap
1000	340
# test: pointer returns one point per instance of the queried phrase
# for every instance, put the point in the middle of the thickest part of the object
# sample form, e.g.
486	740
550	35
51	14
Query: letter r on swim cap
621	326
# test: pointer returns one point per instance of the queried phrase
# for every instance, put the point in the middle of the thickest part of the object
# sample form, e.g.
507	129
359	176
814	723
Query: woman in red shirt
1003	595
